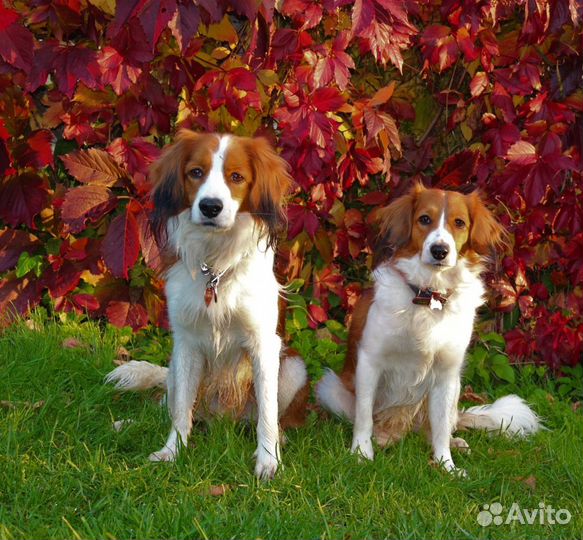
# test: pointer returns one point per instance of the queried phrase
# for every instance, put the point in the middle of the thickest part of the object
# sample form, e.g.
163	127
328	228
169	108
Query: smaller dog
410	332
218	206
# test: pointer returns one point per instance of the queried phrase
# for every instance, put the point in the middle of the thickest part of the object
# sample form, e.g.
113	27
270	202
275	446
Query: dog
409	333
218	209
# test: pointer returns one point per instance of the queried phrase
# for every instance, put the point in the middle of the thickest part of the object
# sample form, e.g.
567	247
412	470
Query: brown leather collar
426	296
423	297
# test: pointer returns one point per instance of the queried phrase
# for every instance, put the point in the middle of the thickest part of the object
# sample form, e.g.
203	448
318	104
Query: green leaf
27	263
336	328
494	338
502	368
300	319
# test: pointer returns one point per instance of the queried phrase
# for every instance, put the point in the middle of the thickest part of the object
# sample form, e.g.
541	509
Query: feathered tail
137	375
509	415
334	396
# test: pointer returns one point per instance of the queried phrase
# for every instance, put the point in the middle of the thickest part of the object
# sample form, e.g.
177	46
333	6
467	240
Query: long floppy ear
396	222
167	176
486	233
271	184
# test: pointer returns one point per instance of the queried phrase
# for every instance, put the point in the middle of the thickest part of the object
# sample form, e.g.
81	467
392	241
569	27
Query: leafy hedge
362	98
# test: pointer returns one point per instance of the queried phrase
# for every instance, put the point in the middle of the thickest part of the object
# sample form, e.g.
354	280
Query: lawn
66	473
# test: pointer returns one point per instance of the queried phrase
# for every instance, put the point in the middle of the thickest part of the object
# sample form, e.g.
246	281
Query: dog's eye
424	219
460	223
237	178
197	172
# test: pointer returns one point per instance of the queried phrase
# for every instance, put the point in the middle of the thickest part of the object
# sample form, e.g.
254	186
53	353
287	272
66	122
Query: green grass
65	473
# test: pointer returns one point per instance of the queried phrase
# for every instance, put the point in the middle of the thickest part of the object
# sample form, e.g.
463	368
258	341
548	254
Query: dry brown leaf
6	404
218	490
528	481
472	397
73	343
122	356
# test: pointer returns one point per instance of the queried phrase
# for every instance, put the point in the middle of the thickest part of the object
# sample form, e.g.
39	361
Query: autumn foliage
361	97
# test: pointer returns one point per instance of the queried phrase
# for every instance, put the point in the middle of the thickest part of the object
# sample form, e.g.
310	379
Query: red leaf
117	71
7	17
13	242
86	204
17	296
86	302
375	198
93	166
154	17
439	46
479	83
22	198
458	169
65	279
317	314
522	153
150	249
41	143
16	46
73	64
125	314
121	245
301	218
185	23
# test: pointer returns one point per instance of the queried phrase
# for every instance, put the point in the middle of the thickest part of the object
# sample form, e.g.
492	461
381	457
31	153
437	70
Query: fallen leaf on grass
472	397
122	356
528	481
33	325
6	404
492	451
118	425
217	490
576	406
73	343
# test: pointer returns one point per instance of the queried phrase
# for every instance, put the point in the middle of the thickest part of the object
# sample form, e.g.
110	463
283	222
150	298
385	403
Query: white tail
334	396
509	415
136	375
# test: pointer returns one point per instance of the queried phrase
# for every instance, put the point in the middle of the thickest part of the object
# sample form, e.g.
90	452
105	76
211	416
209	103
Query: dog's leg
443	400
265	373
183	381
366	382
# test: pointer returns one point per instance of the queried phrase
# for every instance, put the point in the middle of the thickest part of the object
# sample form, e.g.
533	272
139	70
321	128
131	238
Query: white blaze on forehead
440	235
215	187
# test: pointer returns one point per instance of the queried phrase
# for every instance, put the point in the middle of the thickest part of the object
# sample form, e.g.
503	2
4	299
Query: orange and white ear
167	176
271	183
486	233
395	225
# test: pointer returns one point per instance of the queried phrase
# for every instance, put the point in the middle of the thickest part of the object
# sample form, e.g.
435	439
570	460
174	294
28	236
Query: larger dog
410	332
218	206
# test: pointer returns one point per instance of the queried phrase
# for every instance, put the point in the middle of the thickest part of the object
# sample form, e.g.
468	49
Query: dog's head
217	177
441	226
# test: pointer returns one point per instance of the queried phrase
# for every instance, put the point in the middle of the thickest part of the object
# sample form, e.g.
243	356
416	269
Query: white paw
363	448
450	467
165	454
266	464
460	444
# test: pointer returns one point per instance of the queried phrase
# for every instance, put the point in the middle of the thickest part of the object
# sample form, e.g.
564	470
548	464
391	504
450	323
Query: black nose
439	251
210	208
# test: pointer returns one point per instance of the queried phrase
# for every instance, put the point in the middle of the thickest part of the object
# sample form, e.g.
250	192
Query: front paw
266	464
450	467
165	454
363	448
